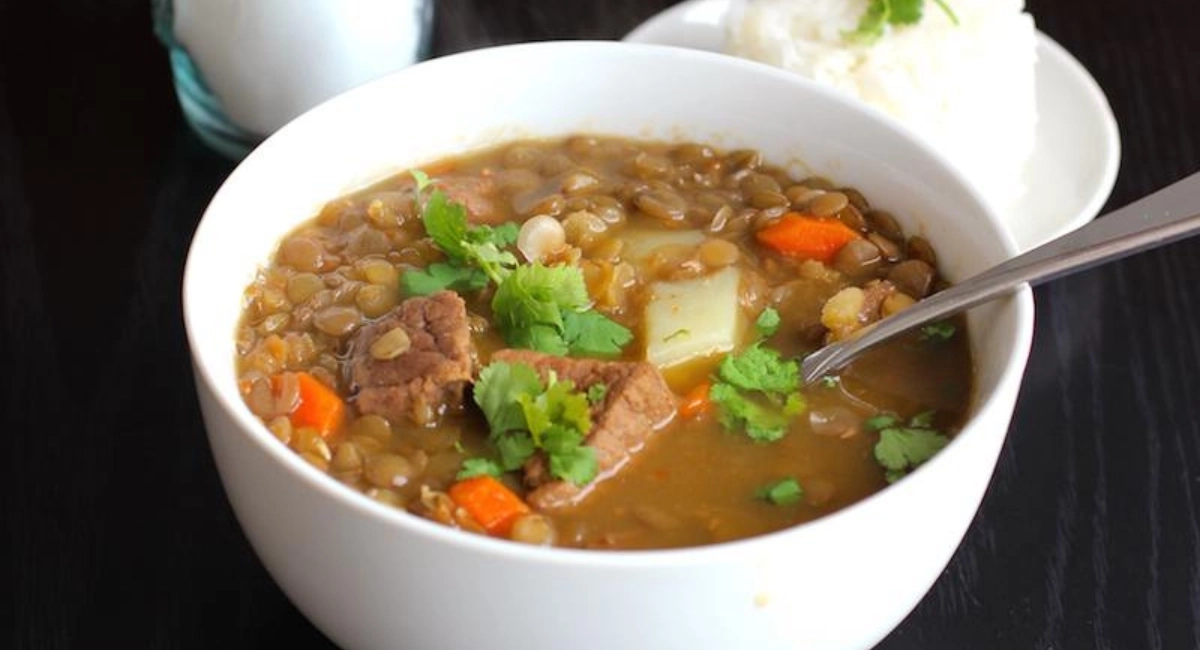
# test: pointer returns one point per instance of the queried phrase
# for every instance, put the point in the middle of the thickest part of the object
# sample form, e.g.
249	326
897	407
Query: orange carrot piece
807	237
489	502
696	402
319	406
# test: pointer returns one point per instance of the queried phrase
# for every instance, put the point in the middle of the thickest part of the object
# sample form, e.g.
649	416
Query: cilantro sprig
757	391
525	415
475	255
543	308
547	308
881	13
473	467
901	448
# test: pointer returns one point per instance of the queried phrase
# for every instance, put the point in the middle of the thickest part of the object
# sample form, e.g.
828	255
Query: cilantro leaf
939	331
547	308
515	448
535	295
590	333
465	246
440	276
526	416
559	439
577	465
782	493
901	450
493	261
569	406
472	467
558	406
794	405
759	391
543	338
762	369
761	423
502	235
597	392
922	420
767	322
907	12
446	224
880	422
421	178
871	24
881	13
499	390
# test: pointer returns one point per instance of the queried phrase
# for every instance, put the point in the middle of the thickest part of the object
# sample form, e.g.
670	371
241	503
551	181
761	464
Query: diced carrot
696	402
319	406
489	502
808	237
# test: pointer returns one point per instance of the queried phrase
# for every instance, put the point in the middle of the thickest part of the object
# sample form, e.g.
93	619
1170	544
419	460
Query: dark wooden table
118	531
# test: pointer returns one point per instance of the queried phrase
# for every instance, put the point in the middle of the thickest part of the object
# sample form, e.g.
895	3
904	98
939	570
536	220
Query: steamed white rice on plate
964	82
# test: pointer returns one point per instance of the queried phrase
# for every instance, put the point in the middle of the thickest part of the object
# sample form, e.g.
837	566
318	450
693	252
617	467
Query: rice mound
968	89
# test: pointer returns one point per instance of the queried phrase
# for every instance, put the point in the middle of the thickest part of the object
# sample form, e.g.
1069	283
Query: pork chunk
636	404
428	378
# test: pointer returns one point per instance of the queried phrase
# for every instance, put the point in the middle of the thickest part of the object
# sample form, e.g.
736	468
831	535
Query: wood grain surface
118	532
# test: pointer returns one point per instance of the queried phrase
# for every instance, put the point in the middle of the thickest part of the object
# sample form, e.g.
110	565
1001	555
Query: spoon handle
1167	215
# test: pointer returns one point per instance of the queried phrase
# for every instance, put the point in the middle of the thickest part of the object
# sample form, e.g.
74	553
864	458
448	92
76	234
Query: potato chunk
694	318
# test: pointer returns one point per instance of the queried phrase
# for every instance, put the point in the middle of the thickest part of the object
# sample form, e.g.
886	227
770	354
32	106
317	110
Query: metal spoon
1167	215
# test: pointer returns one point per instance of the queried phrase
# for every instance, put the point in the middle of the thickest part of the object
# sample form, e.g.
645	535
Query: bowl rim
984	407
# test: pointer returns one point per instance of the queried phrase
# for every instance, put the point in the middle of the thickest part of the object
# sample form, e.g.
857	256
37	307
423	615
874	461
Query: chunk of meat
636	404
475	196
874	293
428	377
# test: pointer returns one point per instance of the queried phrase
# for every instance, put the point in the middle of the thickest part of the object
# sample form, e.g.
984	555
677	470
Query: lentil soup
592	342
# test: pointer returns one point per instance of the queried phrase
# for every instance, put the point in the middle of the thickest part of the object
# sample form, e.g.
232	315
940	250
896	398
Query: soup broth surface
694	261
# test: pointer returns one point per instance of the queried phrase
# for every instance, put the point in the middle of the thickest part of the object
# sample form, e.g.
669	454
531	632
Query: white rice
968	89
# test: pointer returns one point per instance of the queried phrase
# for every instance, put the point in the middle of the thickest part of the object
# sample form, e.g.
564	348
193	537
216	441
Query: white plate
1078	150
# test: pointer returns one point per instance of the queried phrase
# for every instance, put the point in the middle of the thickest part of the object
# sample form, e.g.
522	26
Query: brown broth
694	482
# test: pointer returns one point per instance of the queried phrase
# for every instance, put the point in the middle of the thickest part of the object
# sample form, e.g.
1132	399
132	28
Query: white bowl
370	576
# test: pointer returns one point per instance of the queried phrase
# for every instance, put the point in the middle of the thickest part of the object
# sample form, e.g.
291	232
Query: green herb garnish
473	467
757	391
441	276
767	322
881	13
880	422
902	449
683	331
762	369
922	420
597	392
939	331
547	308
543	308
782	493
475	255
525	415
